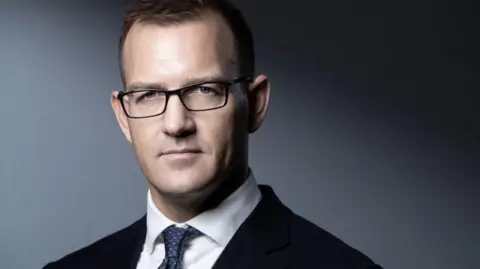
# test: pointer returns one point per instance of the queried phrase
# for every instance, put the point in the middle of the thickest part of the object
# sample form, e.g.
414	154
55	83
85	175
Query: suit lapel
139	231
122	250
265	231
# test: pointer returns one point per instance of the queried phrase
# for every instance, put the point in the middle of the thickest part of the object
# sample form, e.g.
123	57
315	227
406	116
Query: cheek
144	135
216	131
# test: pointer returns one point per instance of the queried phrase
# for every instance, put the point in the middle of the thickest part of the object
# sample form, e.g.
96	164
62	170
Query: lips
180	158
181	151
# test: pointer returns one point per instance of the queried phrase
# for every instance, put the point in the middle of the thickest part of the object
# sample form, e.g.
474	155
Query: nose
177	121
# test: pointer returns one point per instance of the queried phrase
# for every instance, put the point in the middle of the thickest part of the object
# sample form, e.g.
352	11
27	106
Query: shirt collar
219	224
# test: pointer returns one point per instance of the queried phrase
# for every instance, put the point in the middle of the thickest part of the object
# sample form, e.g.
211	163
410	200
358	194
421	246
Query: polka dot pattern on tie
175	239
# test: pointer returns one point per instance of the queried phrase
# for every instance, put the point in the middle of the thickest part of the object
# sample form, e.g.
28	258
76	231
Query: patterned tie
175	239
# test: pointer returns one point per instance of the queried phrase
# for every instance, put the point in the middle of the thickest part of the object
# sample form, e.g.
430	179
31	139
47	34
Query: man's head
171	44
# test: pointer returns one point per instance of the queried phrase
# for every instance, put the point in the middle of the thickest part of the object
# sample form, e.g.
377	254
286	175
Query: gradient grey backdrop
373	131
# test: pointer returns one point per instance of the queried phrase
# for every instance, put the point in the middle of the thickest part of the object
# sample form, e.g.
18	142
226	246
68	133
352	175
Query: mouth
181	152
180	158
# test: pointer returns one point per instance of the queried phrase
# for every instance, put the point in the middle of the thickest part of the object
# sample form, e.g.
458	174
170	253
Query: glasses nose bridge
174	93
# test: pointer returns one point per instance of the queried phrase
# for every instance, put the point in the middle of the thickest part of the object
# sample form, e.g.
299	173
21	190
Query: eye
210	89
206	90
148	95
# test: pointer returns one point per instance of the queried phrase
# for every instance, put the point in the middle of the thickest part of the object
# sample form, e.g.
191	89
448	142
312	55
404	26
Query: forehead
171	54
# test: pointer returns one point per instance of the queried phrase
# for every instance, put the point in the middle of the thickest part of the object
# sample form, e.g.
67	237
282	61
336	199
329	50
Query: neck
181	208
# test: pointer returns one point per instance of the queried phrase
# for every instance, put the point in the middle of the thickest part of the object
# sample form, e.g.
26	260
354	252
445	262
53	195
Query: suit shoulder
100	250
310	240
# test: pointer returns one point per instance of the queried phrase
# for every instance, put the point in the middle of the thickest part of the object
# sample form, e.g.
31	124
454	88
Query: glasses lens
205	96
144	103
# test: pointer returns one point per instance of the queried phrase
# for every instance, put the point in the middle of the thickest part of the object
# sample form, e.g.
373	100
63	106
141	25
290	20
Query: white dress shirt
217	225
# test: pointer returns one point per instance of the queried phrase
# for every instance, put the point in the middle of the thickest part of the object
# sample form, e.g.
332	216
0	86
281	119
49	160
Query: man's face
173	57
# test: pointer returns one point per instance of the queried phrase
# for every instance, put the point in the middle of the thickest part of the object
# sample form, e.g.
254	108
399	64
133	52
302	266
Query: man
190	101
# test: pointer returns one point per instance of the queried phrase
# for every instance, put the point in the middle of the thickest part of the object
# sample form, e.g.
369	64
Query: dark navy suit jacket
272	237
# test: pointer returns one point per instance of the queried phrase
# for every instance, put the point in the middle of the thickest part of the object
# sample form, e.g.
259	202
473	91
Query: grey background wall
373	131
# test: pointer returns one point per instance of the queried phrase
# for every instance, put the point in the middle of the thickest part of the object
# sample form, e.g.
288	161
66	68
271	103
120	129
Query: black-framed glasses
209	95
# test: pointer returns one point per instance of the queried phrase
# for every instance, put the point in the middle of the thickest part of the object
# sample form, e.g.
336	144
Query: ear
120	115
258	98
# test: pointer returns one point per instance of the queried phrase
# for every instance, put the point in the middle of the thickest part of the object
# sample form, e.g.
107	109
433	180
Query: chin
183	182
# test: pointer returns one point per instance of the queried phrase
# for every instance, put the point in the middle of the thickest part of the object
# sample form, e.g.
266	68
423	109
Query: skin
184	185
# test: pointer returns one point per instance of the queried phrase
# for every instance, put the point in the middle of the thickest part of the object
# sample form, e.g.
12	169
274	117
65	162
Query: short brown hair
170	12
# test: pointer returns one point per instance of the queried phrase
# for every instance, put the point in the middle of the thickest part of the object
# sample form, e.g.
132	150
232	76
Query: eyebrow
162	86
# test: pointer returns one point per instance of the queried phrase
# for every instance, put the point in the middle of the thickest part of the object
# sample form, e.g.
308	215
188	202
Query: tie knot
175	238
